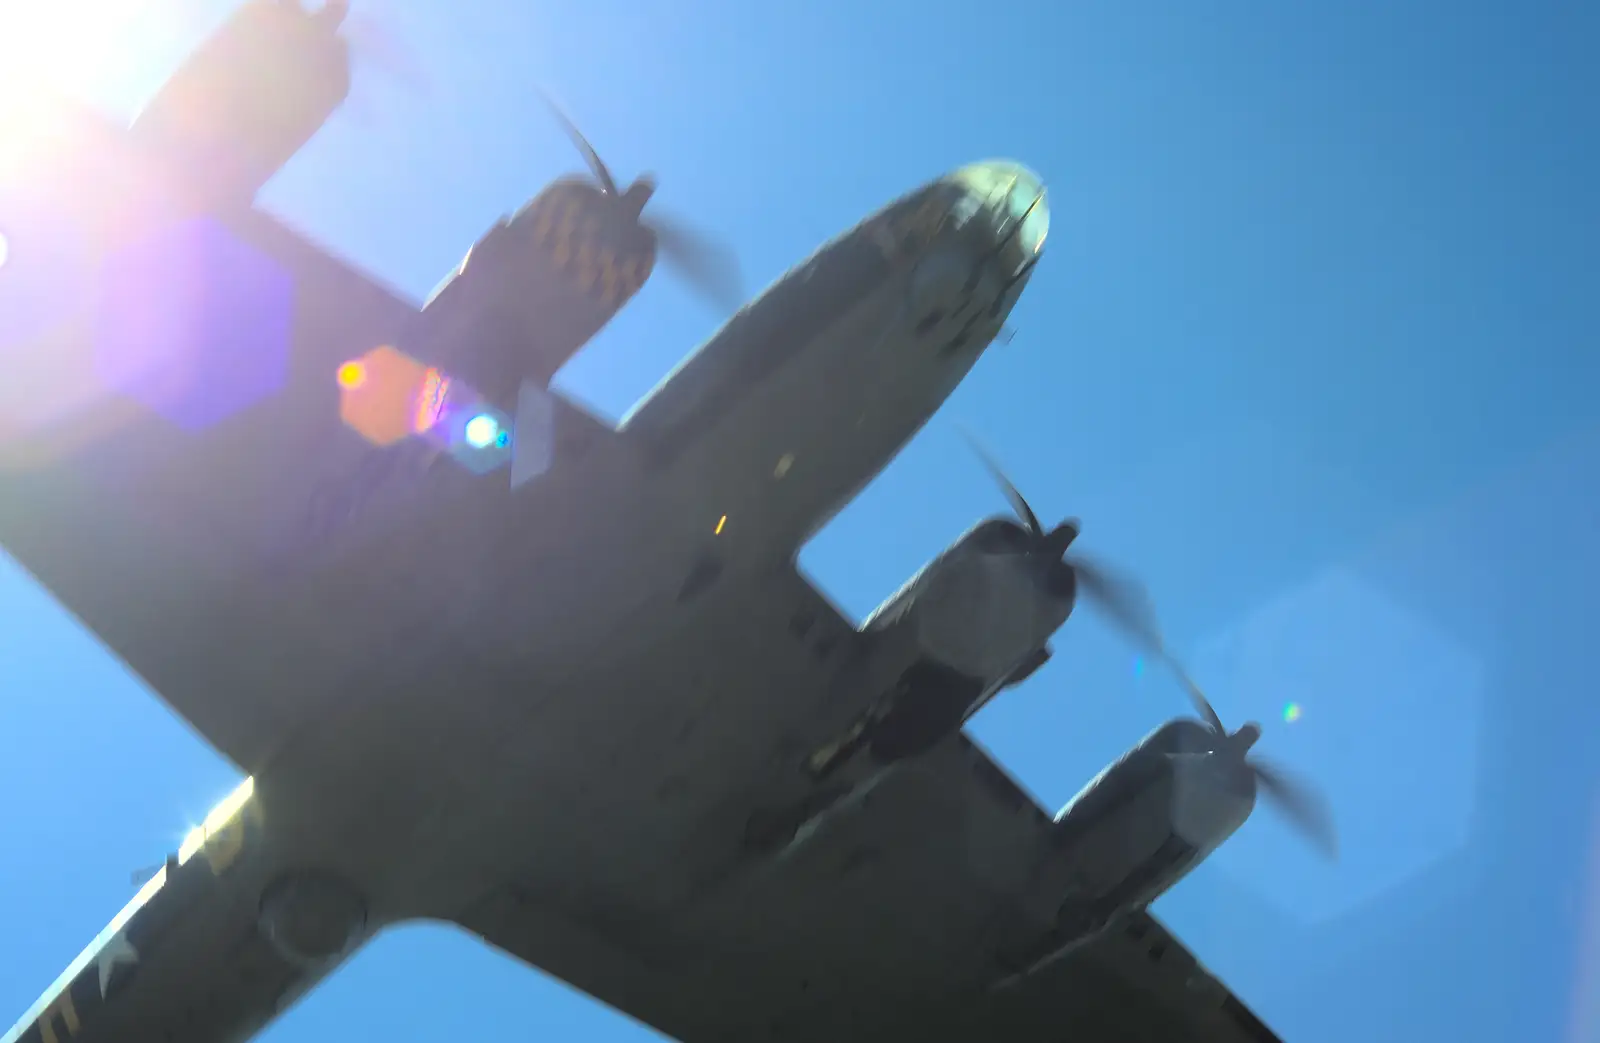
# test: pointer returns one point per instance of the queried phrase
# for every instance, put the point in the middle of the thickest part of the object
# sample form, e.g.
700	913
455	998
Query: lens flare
381	405
482	430
352	375
430	401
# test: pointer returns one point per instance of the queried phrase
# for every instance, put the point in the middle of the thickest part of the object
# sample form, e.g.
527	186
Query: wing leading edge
185	960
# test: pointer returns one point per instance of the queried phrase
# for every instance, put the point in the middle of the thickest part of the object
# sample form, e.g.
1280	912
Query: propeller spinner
1303	806
709	267
1122	599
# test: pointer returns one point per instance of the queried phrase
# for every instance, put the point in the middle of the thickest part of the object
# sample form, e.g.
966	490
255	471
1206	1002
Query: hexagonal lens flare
381	393
194	323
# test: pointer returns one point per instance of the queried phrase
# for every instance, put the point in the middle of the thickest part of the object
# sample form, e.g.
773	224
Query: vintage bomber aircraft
547	711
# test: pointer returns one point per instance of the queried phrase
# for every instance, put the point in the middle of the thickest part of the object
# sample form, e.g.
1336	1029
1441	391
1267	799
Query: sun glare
56	44
101	50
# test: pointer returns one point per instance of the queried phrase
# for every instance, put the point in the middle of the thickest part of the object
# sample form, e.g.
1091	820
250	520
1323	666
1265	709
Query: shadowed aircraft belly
798	446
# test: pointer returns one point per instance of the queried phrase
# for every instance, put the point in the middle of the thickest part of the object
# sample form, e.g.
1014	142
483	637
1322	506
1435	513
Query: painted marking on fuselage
220	839
222	848
118	951
102	972
63	1009
57	1016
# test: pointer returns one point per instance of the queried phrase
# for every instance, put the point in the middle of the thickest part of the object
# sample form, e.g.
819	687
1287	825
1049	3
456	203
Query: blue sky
1312	350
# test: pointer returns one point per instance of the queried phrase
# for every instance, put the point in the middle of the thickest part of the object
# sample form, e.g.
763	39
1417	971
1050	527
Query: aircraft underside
488	659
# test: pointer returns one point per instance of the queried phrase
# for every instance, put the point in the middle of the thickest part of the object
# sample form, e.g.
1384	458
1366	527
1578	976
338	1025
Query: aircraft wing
154	536
174	506
885	927
884	932
183	959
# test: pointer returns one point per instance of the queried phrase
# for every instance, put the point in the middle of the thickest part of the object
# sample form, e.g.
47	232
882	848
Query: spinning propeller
1303	806
1126	603
1122	599
710	268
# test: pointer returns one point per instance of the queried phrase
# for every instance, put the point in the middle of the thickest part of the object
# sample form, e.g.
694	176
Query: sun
90	49
57	45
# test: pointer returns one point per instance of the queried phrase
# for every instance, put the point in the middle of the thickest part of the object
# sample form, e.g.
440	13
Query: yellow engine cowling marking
570	234
586	268
623	278
543	223
552	215
596	270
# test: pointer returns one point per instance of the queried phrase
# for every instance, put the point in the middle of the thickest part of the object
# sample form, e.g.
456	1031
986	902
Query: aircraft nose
1011	202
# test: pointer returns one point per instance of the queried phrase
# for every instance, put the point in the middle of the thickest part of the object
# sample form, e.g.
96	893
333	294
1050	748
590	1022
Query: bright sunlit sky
1312	350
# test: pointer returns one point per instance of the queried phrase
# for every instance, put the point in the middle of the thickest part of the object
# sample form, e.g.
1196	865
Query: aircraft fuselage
724	470
721	473
807	393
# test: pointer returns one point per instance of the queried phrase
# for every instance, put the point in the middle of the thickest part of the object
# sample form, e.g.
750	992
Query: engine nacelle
977	609
1133	832
975	619
534	290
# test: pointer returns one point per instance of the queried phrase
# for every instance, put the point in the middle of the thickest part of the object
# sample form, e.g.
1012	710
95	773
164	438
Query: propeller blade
1122	598
711	268
602	173
1201	704
1013	495
1304	806
1128	605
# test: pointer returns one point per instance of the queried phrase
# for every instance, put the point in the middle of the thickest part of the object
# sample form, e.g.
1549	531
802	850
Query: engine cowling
972	621
978	609
1133	832
534	290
